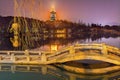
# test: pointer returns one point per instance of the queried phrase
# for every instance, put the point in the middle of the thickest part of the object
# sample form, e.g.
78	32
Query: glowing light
15	29
54	47
61	31
53	8
61	35
53	14
15	41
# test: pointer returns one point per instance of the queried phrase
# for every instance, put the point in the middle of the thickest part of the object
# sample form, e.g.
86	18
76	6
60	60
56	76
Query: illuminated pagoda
52	14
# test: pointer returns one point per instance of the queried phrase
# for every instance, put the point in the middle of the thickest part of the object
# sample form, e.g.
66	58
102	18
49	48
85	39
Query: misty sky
89	11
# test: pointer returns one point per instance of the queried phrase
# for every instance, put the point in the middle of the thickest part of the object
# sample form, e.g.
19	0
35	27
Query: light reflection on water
110	41
48	72
47	44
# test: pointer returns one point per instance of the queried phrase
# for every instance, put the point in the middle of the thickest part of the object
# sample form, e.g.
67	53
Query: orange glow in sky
88	11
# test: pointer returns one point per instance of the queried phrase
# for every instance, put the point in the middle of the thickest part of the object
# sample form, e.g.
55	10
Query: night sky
89	11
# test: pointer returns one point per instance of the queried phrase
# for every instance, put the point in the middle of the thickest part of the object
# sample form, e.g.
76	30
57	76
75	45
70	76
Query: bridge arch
89	57
100	52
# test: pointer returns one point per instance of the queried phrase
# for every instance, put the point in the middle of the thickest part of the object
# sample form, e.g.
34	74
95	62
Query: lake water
38	72
62	43
44	42
48	72
110	41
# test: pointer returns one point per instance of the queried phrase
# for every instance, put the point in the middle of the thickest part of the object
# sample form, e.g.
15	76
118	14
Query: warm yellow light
61	35
53	8
61	31
15	41
16	44
54	47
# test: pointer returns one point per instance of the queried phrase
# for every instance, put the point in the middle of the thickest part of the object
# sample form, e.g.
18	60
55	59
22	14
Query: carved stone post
13	57
43	58
71	50
27	55
104	49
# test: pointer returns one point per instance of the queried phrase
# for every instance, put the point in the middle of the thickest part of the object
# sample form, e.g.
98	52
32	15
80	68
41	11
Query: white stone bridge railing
102	50
28	57
77	47
42	57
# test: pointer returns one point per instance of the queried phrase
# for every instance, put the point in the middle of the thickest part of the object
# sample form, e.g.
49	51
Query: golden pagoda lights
52	14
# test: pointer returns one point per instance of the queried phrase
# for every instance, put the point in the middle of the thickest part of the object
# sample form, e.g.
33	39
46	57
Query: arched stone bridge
101	52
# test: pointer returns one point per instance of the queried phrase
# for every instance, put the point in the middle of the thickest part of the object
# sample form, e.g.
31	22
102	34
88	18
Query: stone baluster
27	55
43	58
13	57
104	49
71	50
8	53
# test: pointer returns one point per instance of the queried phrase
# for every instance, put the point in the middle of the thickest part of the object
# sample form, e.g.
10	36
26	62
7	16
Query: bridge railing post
39	53
71	50
104	49
13	57
8	53
43	57
27	55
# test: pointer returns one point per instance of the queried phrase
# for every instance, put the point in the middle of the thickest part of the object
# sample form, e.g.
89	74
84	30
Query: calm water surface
109	41
48	72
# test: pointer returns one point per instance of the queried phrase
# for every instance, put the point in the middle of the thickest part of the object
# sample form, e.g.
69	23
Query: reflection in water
15	29
47	72
88	67
111	41
49	42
